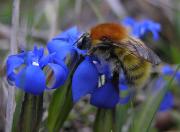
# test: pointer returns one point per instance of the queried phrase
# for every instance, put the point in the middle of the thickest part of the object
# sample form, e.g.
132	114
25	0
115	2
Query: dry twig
52	15
5	30
13	49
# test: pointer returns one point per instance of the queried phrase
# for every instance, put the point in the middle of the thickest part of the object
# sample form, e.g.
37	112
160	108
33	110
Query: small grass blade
144	118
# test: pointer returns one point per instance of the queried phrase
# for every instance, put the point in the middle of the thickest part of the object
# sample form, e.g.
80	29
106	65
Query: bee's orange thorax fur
112	31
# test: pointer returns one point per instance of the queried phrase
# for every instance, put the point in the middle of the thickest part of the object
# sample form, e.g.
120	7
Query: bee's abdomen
137	71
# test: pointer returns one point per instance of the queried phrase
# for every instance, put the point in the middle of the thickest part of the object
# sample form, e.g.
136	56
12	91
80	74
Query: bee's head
84	42
111	31
102	32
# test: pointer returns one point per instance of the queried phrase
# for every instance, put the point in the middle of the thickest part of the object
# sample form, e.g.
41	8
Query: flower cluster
85	81
140	28
86	77
27	71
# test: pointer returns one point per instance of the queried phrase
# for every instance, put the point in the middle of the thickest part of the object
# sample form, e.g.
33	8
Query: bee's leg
115	65
115	80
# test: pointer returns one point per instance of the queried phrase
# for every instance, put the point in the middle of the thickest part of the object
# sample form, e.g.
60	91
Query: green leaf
122	110
121	116
62	102
104	120
31	113
175	54
16	116
176	118
60	107
143	119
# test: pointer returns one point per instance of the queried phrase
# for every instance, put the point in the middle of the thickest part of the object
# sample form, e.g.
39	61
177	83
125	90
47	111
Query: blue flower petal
128	21
152	27
125	94
21	54
62	53
12	63
46	59
155	35
167	70
105	97
123	87
70	35
57	45
67	38
167	102
61	63
61	49
31	79
103	68
159	84
63	44
139	29
59	75
38	52
30	57
177	77
85	80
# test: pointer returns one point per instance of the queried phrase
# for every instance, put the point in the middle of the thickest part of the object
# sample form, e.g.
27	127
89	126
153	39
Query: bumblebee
110	42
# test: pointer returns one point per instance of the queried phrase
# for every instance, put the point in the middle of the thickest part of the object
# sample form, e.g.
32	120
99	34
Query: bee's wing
139	49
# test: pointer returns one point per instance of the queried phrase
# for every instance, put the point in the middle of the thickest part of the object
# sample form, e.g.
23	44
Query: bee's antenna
83	35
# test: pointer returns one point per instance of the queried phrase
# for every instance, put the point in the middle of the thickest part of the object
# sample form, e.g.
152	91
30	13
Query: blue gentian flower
129	22
167	70
85	81
140	28
105	97
65	43
25	70
86	77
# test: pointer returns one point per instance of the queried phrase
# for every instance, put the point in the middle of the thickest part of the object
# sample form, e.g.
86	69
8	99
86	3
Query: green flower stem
60	107
104	120
16	116
31	113
121	116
